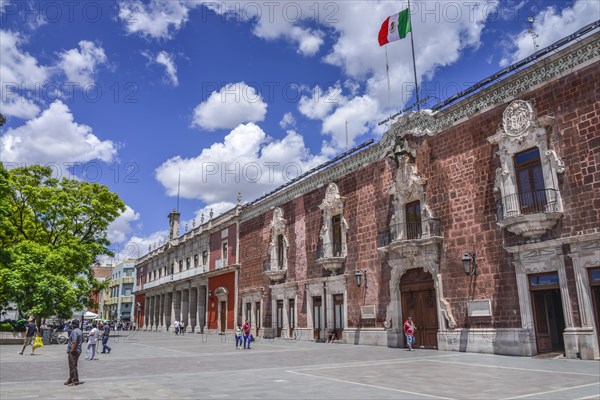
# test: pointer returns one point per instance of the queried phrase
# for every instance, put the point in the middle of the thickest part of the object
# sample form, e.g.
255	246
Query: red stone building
479	219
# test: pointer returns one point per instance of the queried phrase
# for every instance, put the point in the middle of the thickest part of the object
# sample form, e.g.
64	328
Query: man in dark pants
73	352
30	331
105	334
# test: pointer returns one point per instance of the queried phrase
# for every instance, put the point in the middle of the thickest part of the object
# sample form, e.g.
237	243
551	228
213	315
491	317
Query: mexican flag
394	28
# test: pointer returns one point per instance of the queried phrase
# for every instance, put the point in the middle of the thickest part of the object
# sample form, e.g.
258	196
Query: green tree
53	232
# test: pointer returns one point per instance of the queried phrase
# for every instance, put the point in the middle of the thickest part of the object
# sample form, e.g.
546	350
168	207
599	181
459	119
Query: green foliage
51	234
6	327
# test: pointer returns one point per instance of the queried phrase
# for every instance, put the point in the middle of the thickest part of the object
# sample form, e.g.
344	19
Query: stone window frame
408	187
522	130
278	228
332	205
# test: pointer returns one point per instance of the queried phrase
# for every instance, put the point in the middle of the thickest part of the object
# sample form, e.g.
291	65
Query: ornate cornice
428	123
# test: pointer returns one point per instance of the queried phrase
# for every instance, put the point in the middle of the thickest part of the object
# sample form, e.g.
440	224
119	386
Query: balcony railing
126	299
411	231
127	279
539	201
331	250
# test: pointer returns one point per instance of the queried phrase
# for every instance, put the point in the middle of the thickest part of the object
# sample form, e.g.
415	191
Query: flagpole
387	73
412	45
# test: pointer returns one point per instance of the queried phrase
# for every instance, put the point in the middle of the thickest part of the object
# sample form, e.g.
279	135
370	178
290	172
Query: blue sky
232	96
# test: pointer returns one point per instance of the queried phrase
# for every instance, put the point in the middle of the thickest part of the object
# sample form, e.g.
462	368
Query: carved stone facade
278	247
351	219
520	131
333	254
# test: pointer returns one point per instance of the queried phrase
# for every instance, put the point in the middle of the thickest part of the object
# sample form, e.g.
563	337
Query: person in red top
247	335
409	330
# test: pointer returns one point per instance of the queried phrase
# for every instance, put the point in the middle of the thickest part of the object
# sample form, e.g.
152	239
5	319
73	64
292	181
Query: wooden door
549	320
317	321
223	315
338	314
291	316
594	278
279	317
419	302
257	318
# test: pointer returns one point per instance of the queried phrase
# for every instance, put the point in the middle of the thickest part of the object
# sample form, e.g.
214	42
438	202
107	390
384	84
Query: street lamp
470	263
358	275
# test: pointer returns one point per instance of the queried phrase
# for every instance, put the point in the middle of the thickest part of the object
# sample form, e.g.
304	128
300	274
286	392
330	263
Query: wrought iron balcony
411	231
530	214
275	272
331	256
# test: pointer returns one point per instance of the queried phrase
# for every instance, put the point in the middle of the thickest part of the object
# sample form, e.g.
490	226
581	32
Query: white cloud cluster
234	104
158	19
247	161
550	25
287	121
165	59
119	230
54	136
80	65
168	62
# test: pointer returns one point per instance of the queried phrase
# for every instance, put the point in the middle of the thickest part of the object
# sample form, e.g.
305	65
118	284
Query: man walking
73	353
105	335
30	331
409	330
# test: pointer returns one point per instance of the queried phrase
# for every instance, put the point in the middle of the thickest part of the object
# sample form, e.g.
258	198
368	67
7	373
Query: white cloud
165	59
247	161
18	106
273	21
359	114
234	104
550	25
119	230
54	136
288	121
158	19
320	102
16	66
79	65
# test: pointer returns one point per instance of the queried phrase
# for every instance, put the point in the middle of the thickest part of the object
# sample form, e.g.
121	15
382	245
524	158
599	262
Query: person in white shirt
91	342
176	327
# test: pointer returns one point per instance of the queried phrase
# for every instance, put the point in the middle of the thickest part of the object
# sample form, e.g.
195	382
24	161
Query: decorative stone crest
517	117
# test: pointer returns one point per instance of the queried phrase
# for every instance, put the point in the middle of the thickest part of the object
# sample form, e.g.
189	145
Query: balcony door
530	181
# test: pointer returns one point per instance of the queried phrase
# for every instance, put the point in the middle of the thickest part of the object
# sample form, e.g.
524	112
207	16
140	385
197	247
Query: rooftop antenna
534	35
178	185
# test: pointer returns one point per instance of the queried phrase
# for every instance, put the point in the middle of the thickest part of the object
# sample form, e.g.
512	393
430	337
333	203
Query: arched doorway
419	302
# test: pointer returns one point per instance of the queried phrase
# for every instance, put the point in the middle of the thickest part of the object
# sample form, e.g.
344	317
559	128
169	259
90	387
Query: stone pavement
150	365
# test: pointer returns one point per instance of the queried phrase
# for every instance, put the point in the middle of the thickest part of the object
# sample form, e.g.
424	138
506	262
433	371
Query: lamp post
358	275
470	263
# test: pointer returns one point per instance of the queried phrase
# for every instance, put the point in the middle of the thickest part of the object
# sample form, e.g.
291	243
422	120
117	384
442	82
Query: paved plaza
164	366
